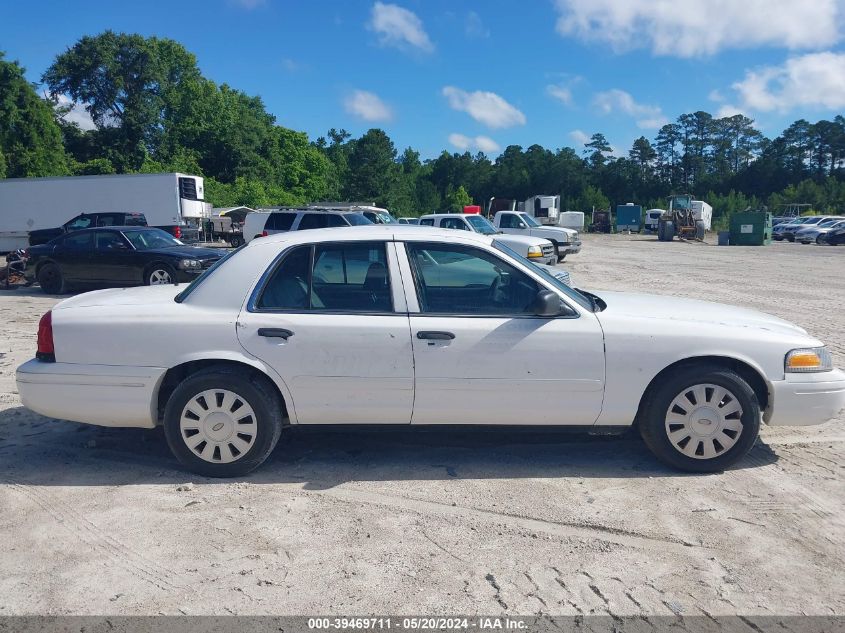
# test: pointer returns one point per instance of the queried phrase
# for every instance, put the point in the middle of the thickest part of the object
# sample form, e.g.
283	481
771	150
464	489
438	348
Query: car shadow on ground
42	451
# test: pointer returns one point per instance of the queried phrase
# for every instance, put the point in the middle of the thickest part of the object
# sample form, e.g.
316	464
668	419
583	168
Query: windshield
829	223
148	239
206	274
573	294
381	217
356	219
529	220
481	225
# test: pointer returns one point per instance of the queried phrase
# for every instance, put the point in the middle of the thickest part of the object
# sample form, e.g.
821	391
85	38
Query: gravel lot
98	521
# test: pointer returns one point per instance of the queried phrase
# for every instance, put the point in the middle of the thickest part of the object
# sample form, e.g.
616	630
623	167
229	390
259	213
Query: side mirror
547	304
522	225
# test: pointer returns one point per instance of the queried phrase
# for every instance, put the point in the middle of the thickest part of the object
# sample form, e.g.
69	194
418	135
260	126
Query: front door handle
436	336
275	332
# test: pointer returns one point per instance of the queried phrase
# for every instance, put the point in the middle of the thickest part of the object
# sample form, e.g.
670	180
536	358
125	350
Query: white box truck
545	209
165	200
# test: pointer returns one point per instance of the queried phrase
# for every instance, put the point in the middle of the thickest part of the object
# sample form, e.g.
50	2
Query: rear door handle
436	336
275	332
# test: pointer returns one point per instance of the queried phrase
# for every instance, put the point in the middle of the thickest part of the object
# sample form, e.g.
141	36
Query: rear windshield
205	275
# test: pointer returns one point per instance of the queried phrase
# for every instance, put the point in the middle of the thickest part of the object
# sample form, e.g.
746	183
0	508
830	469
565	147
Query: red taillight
177	232
264	234
45	338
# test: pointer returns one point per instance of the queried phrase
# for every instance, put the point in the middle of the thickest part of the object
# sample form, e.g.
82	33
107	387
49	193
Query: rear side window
314	221
279	222
337	220
347	277
78	242
427	222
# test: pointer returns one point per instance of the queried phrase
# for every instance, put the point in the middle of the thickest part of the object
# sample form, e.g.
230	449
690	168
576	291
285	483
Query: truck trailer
165	200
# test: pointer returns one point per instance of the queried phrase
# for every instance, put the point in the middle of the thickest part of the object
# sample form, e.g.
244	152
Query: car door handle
436	336
275	332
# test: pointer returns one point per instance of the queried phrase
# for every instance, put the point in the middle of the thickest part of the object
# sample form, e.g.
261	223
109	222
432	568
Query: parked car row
812	229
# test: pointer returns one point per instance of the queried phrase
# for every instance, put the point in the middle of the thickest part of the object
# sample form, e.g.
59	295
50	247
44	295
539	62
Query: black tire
653	419
821	240
700	230
256	391
236	241
50	279
661	231
790	238
158	271
668	231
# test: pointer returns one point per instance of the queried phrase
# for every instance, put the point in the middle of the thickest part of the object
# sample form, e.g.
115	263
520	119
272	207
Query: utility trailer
169	201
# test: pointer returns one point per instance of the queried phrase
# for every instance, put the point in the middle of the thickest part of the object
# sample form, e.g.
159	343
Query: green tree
457	199
30	138
372	168
597	150
124	81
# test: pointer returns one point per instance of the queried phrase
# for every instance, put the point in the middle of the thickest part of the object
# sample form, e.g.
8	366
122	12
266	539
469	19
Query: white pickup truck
537	249
565	241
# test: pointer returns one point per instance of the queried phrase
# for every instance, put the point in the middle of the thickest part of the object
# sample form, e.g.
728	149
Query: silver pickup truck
565	241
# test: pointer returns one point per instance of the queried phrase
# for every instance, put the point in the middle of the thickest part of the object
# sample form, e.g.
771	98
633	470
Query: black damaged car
116	256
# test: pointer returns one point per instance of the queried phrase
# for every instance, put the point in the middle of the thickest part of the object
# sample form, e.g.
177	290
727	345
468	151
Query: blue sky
438	74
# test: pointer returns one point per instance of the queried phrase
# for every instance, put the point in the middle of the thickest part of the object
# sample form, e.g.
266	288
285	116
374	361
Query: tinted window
427	222
279	222
345	277
109	219
454	223
80	222
109	241
145	239
509	221
336	220
314	221
465	280
77	242
356	219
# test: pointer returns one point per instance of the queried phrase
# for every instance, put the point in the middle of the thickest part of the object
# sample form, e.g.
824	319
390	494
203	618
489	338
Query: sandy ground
98	521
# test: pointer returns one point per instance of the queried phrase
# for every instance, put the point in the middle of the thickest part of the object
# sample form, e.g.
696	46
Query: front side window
465	280
343	277
427	222
481	225
509	221
454	223
109	241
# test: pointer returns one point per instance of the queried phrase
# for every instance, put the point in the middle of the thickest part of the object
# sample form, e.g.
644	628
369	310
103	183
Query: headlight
808	360
535	251
187	264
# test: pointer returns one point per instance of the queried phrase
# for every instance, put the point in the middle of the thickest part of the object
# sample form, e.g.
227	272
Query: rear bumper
105	395
806	399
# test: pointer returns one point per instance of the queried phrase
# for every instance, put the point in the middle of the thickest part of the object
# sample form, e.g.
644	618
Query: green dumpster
751	229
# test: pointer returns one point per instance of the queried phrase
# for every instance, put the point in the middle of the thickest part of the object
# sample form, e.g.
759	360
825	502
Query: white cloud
648	117
399	27
689	28
728	110
561	93
816	80
580	137
716	95
77	113
485	107
482	143
474	27
367	106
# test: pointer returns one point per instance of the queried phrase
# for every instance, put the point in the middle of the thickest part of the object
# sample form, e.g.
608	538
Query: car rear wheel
701	419
221	423
50	279
820	239
159	275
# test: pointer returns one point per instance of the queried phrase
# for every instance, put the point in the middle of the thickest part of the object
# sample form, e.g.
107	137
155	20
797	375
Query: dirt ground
99	521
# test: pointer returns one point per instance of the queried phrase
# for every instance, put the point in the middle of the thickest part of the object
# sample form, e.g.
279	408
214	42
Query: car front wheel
159	275
50	279
701	419
221	423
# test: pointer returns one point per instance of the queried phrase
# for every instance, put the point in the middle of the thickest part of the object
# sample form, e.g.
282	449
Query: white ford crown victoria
409	325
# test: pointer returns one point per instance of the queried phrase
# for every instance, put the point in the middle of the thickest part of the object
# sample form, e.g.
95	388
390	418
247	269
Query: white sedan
408	325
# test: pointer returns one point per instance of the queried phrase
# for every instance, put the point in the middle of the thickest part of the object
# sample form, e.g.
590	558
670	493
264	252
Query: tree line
154	111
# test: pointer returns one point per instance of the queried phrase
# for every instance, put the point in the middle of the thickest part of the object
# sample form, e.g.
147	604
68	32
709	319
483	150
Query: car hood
555	230
675	309
526	240
187	252
141	295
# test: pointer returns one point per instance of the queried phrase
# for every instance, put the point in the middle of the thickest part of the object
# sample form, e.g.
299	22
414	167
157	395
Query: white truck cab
537	249
565	241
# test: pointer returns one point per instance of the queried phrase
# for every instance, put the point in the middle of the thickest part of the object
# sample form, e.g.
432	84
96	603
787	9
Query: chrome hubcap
159	277
218	426
704	421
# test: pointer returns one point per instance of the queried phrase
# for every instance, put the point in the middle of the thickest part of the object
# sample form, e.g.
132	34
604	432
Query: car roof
308	210
375	232
115	227
451	215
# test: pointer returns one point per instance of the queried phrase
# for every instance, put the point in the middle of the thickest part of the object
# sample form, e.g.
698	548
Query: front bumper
570	248
806	399
105	395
